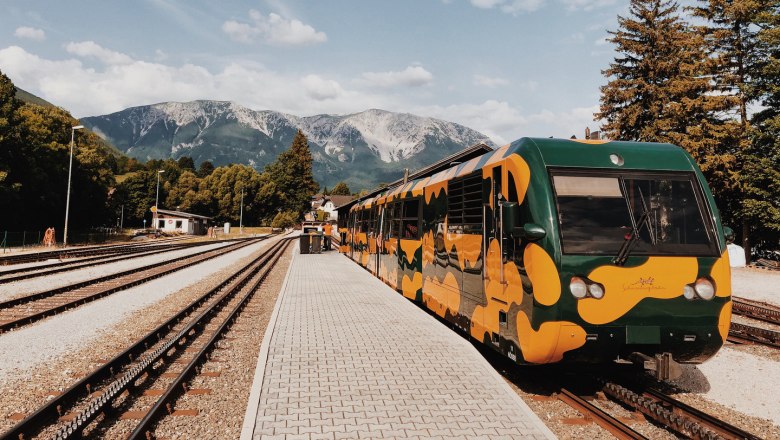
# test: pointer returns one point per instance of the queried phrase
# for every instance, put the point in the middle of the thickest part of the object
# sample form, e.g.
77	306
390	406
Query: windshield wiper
633	236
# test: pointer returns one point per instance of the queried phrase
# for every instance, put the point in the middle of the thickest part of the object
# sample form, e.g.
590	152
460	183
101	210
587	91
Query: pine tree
736	58
651	76
292	174
761	176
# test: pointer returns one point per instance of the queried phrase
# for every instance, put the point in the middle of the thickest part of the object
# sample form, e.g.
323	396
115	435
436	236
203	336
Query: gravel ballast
26	287
69	331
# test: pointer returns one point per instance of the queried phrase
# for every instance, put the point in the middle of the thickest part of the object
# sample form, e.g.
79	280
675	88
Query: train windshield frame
598	210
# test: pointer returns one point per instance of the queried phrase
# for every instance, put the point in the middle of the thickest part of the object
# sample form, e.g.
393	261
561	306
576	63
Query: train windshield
665	213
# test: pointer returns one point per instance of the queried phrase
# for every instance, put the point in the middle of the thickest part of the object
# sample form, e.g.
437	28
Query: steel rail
724	428
198	324
51	292
675	418
71	252
756	311
53	409
173	266
178	386
755	334
39	271
614	426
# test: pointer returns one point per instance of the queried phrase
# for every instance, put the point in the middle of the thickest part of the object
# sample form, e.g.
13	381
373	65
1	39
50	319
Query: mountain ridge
364	148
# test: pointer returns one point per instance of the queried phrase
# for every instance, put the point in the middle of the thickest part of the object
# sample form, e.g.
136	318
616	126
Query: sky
507	68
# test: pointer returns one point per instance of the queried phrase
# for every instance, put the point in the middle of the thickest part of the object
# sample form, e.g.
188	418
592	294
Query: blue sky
508	68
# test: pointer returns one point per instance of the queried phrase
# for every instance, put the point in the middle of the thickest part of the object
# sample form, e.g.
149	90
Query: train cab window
597	213
464	204
410	219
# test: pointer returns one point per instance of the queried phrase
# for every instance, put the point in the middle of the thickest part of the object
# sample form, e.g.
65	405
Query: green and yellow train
552	250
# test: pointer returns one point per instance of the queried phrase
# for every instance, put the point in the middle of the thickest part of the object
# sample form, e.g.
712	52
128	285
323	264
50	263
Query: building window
160	224
178	224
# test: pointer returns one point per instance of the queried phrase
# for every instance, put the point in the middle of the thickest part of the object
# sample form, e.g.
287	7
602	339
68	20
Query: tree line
34	153
706	78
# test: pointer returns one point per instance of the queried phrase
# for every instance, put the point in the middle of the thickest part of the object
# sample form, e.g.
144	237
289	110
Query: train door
380	212
494	259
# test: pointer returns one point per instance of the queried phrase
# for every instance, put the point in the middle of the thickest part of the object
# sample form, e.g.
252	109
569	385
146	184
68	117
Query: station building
182	222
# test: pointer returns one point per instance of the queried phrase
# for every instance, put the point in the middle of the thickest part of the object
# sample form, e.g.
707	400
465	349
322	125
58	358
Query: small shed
182	222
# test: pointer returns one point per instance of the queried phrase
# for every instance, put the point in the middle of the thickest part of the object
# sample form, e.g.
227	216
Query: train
559	251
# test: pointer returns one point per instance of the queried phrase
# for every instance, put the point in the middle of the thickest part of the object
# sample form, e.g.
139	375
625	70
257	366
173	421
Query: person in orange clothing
328	229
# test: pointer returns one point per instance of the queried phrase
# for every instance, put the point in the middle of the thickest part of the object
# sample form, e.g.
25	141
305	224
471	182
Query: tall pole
70	171
157	199
241	217
122	221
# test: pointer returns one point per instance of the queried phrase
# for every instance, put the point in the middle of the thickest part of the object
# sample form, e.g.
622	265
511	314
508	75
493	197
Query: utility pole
70	170
241	216
122	221
157	199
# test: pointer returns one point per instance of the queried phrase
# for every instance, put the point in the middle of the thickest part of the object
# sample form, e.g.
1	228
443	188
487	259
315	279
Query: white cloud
509	6
86	49
487	81
587	5
273	29
111	87
320	88
503	122
412	76
603	41
30	33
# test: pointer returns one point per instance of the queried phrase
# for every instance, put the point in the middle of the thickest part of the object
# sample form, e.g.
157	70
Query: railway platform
345	356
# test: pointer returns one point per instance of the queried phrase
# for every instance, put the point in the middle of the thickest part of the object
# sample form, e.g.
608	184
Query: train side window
464	204
392	219
410	221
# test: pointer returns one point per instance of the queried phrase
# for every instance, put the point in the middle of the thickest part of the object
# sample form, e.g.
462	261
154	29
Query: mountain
364	149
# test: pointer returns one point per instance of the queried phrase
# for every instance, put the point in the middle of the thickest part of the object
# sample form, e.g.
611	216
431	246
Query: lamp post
157	199
70	170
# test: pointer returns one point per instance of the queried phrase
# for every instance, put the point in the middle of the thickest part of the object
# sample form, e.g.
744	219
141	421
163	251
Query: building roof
340	200
181	214
463	155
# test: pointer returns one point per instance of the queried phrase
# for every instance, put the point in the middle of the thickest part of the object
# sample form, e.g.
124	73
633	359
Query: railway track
676	416
27	309
748	334
756	310
75	252
63	266
109	392
660	408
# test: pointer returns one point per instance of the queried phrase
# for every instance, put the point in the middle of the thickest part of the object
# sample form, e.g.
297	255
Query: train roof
554	153
596	154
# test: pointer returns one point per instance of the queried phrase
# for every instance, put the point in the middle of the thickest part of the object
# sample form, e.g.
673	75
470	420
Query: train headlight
596	290
689	292
578	287
704	288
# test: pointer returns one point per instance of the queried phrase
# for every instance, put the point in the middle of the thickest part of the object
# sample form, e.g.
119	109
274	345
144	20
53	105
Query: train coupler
661	366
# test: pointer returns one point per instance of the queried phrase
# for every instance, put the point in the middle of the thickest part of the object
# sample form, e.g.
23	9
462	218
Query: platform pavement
345	356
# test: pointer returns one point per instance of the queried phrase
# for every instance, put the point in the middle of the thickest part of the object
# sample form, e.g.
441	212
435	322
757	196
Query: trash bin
305	243
316	244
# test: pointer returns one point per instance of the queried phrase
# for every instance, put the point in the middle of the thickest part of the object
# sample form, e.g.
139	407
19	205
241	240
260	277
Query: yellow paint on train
625	287
543	273
721	274
439	296
410	286
550	342
724	321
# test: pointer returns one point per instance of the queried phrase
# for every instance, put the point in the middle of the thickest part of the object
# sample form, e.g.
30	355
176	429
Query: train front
642	259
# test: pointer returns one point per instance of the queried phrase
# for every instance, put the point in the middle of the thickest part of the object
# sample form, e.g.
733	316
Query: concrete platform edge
248	427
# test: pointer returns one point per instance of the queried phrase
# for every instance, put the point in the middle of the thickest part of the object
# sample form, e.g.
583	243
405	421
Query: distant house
327	204
183	222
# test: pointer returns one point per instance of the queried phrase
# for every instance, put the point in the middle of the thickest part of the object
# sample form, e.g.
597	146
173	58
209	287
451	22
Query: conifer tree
761	176
735	59
292	174
651	76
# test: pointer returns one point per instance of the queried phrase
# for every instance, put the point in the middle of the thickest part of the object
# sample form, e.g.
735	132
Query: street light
70	170
157	199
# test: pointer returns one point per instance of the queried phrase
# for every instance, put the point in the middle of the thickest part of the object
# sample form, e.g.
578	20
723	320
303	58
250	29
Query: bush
285	219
